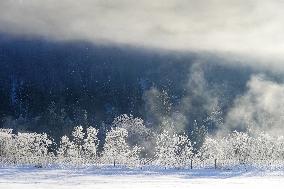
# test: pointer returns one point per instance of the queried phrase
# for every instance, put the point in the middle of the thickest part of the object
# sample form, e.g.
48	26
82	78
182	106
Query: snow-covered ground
100	178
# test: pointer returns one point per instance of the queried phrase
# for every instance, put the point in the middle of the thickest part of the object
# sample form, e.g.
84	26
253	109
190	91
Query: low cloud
261	108
251	27
196	106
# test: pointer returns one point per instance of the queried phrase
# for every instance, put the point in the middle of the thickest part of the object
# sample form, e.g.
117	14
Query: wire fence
149	163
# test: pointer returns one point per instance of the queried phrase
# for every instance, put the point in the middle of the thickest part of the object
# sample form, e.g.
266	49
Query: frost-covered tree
173	150
197	135
211	149
6	143
241	144
164	151
31	147
78	139
137	131
66	150
116	149
265	148
82	149
184	151
279	148
25	148
91	144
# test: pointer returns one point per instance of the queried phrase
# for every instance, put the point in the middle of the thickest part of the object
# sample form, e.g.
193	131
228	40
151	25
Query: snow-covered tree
78	139
6	143
164	151
91	144
173	150
211	149
184	151
31	147
116	149
66	150
24	147
137	131
265	148
241	144
279	148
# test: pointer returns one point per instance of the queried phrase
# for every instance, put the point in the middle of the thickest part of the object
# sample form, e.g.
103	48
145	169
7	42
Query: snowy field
50	178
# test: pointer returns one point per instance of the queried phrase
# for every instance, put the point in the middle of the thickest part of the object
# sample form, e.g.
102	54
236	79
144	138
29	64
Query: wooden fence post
215	163
190	163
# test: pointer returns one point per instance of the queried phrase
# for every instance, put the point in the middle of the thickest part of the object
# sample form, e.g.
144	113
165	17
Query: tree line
165	148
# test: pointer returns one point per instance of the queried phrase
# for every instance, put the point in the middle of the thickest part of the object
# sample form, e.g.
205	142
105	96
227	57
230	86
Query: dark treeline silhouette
48	86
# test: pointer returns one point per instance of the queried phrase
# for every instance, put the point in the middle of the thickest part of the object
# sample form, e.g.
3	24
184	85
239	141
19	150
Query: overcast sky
254	27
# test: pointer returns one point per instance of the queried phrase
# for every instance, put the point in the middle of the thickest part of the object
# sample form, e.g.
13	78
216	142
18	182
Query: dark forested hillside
54	86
